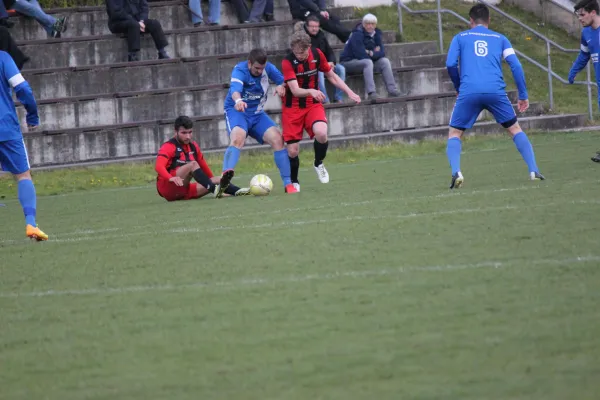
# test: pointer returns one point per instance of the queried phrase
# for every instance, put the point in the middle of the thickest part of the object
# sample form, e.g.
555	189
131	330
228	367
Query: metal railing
548	69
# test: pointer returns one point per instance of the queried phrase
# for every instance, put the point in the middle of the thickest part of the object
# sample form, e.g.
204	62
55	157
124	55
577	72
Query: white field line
286	224
295	279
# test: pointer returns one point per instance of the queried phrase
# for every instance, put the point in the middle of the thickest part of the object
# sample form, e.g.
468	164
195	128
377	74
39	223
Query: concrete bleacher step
164	74
90	21
141	141
118	108
189	42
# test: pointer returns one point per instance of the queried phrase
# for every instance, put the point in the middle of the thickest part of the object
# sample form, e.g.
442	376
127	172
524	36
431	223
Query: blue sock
524	146
453	150
27	198
283	163
232	155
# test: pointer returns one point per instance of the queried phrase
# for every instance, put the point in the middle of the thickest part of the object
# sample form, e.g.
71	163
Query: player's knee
237	141
194	165
320	131
293	151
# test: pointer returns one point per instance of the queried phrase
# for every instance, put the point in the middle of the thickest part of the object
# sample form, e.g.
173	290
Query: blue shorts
13	156
255	125
468	107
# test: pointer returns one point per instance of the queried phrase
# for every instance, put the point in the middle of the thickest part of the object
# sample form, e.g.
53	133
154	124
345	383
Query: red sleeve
164	157
202	162
288	71
323	63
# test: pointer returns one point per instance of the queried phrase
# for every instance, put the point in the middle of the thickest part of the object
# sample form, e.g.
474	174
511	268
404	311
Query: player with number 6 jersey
480	85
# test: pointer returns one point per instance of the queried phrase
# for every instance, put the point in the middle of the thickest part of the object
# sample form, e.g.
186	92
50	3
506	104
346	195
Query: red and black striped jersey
306	73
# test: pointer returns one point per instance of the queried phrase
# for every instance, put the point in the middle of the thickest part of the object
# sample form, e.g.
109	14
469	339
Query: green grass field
380	285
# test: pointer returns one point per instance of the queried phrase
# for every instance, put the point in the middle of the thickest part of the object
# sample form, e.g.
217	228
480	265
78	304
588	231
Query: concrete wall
551	12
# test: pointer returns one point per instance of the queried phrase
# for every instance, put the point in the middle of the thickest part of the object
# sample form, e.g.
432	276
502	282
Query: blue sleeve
237	81
274	74
452	62
358	46
378	42
515	66
582	59
12	76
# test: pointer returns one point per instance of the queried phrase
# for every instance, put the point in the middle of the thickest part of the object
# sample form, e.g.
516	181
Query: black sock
231	189
320	152
204	180
294	166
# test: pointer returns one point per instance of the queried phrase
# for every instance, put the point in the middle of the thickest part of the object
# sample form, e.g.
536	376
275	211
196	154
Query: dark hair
588	5
257	56
312	18
480	13
183	121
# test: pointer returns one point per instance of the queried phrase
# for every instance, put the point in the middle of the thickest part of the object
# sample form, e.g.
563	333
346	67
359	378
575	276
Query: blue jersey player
480	85
13	155
245	116
588	12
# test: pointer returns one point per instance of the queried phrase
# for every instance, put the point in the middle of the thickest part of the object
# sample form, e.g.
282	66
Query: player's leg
186	172
231	190
13	158
504	113
292	123
237	129
465	113
316	127
265	130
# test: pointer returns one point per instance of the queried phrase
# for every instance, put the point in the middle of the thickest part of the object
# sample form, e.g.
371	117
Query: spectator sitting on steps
31	8
214	12
364	53
301	9
261	9
131	18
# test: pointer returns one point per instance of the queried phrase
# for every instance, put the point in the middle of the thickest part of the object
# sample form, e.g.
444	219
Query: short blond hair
301	40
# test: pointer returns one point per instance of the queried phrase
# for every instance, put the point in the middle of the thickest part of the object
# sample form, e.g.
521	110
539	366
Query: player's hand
325	14
32	128
241	106
522	105
176	180
331	64
354	97
142	26
317	95
280	91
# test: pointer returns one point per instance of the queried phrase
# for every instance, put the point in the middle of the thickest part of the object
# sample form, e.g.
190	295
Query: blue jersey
590	48
480	52
11	78
253	89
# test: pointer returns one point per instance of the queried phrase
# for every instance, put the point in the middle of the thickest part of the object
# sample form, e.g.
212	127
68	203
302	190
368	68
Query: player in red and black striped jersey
180	159
303	102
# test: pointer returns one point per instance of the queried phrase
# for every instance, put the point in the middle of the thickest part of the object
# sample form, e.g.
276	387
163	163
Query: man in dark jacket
301	9
7	44
318	40
131	18
365	53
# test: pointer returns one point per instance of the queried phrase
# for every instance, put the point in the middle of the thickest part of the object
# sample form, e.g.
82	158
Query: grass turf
381	284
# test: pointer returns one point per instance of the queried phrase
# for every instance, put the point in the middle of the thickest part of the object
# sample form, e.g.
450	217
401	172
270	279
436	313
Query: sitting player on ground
302	107
480	85
13	155
179	160
245	116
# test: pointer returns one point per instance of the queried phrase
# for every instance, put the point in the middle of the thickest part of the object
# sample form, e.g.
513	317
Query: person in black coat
7	44
301	9
131	18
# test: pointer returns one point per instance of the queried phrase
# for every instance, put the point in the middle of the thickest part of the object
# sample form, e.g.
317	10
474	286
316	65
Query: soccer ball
261	185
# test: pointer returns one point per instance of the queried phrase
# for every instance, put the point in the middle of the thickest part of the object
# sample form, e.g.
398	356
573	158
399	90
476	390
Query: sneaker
33	232
596	158
373	96
536	176
296	186
457	180
224	183
290	188
322	173
59	27
243	192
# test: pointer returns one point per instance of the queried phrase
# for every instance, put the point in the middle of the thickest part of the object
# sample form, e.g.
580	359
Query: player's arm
276	76
236	87
13	76
508	53
291	81
452	63
164	157
582	59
